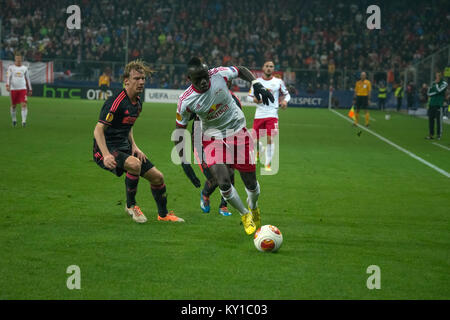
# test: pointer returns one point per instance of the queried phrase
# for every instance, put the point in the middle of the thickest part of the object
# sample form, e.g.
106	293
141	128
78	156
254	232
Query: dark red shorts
18	96
265	126
236	151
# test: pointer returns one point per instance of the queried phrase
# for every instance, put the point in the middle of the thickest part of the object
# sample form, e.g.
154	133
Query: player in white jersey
226	141
19	85
266	116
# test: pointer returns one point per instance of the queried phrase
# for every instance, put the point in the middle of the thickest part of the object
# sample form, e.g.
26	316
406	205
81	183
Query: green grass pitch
342	202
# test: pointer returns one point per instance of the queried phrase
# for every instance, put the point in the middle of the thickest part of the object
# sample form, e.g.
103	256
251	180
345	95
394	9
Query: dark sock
160	196
131	183
223	202
208	189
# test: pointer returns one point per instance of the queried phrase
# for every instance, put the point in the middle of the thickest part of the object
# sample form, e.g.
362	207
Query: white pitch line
440	145
409	153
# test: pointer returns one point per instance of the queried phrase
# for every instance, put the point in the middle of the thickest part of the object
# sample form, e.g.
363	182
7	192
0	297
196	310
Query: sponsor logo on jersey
214	108
129	120
179	118
213	114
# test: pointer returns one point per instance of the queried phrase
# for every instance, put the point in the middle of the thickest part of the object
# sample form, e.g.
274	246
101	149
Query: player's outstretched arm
259	91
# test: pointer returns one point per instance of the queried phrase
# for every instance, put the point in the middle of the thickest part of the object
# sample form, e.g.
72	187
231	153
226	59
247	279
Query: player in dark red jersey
115	149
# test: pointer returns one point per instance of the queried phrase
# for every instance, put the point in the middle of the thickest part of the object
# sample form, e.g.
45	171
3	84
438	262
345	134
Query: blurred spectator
410	95
382	95
424	95
399	95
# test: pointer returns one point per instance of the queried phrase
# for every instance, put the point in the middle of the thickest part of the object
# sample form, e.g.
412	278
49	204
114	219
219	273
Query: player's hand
109	161
7	87
191	174
257	101
139	154
262	93
30	92
283	104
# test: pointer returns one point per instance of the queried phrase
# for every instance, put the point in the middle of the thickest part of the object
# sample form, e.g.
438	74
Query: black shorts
104	87
362	102
120	156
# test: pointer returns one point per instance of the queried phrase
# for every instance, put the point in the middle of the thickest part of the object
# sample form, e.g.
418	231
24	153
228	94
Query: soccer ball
268	238
387	117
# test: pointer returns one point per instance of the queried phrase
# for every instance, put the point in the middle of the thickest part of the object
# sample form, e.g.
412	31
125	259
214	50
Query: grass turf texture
342	202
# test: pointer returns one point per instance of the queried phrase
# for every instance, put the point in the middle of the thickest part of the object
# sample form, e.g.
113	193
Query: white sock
24	114
13	114
232	197
253	196
261	147
270	150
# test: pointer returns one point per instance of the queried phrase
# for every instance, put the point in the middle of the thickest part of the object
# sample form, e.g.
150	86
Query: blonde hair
138	65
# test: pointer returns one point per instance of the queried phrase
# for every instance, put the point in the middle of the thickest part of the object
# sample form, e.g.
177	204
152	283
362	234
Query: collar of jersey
137	98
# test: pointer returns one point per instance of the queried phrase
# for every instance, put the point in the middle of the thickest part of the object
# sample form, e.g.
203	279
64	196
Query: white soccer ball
387	117
268	238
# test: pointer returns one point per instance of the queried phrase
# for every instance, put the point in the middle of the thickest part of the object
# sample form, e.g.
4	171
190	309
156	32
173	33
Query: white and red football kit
18	79
266	116
225	138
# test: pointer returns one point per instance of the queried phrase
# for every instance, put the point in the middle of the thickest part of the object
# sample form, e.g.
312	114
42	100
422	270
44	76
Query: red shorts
18	96
236	151
265	125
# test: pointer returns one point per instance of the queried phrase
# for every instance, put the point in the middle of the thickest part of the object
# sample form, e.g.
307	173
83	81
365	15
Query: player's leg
269	151
159	192
272	130
253	191
258	127
12	110
223	206
367	117
208	189
24	113
430	123
221	173
132	166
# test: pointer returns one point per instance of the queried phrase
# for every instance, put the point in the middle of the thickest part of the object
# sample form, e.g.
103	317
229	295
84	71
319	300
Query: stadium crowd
330	36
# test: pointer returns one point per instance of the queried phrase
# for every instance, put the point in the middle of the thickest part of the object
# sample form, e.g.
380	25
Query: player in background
115	148
19	85
224	132
266	116
210	183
